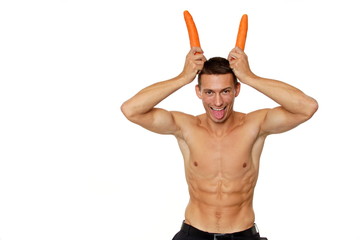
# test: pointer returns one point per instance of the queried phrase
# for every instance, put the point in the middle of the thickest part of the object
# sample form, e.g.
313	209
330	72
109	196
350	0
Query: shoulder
254	116
184	121
258	114
255	119
181	117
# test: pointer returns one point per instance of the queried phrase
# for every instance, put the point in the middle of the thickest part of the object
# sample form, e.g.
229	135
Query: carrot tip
242	33
192	30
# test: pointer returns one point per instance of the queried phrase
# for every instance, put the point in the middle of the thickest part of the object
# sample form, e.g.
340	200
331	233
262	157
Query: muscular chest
227	156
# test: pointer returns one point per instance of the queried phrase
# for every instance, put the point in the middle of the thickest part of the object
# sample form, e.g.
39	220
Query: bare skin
221	148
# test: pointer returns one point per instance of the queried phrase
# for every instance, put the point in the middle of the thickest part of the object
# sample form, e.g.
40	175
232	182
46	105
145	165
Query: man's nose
218	100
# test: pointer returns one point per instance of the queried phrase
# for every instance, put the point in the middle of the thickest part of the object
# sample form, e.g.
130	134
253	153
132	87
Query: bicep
278	120
158	120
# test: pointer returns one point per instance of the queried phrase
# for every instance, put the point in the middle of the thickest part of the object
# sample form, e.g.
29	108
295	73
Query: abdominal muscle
221	204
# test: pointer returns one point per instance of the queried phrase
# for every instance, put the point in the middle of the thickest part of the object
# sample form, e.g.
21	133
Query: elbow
132	111
311	108
126	110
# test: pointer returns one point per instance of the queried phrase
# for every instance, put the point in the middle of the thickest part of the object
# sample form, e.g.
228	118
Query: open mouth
217	109
218	113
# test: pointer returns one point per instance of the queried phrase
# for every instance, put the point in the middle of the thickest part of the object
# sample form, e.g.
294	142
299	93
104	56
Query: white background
72	167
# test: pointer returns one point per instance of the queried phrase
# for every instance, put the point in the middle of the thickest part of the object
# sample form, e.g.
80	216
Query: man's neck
223	128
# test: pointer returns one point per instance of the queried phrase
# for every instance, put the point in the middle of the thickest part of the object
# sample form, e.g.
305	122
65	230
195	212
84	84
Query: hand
240	65
194	63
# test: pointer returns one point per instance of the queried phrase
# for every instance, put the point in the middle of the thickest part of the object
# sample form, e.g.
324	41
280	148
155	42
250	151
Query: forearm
149	97
289	97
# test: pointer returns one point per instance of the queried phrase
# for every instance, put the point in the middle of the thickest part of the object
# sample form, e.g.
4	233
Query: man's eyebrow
227	88
206	89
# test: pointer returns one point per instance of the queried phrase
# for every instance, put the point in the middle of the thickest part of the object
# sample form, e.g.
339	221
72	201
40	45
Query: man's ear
198	91
237	89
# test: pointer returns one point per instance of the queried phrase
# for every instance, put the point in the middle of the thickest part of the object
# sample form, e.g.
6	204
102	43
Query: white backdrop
72	167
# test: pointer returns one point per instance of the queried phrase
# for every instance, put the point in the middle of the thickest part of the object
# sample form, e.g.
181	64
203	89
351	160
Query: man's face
218	93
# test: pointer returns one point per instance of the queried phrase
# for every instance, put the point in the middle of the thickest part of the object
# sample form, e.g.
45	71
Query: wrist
185	78
248	79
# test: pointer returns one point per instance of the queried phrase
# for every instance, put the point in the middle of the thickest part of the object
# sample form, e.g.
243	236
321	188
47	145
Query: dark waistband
192	231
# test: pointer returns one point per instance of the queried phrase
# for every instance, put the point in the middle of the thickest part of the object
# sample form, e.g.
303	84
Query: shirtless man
221	148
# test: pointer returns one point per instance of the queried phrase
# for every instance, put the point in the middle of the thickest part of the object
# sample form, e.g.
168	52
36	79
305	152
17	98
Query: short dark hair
216	65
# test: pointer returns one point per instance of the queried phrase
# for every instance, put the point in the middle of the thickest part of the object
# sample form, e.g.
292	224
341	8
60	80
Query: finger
199	64
199	68
196	50
199	60
233	56
199	57
238	50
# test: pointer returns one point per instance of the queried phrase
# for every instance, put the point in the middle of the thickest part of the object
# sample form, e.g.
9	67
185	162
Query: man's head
215	66
217	88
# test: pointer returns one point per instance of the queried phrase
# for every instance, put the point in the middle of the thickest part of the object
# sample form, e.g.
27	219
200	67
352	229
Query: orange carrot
191	27
241	37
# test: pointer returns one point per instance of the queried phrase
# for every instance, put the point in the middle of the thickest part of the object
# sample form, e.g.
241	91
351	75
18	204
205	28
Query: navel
195	164
244	165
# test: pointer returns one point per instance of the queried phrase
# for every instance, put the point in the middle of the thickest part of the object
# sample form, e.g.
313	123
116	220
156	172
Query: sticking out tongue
218	114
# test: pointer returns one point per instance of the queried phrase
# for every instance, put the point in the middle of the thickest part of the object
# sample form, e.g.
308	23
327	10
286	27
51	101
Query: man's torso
221	171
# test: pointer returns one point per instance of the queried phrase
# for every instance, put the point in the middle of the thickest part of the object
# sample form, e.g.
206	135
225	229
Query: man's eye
208	92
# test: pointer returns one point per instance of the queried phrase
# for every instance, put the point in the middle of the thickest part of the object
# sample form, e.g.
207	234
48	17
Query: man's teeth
217	109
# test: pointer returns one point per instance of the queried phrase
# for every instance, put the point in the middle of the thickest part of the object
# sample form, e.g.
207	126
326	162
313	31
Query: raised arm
295	106
141	110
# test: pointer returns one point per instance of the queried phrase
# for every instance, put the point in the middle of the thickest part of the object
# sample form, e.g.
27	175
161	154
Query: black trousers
188	232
